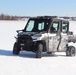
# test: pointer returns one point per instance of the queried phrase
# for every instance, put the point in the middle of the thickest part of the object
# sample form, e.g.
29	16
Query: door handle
50	37
59	39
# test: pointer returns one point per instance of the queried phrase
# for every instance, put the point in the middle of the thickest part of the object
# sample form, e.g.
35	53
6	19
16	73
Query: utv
45	34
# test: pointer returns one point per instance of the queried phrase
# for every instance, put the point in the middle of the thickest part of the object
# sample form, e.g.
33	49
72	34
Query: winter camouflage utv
45	34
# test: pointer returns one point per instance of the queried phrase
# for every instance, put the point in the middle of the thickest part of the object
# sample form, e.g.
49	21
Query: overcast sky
38	7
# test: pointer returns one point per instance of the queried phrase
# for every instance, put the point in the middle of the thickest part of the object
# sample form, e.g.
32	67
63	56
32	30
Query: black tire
39	51
16	48
71	51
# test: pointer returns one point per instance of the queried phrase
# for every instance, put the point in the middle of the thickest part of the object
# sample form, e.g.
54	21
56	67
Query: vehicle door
64	36
54	36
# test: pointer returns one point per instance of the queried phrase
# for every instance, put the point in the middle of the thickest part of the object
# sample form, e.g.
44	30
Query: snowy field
26	63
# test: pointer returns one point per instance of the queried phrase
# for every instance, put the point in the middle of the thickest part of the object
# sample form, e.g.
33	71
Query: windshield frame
44	20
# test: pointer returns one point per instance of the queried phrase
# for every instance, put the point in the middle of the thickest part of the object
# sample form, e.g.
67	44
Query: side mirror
19	31
70	33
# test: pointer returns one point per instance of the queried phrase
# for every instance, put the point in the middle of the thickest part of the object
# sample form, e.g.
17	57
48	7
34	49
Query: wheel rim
40	47
73	52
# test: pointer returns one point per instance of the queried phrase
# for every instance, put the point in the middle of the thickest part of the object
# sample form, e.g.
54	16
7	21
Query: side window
64	27
54	27
41	26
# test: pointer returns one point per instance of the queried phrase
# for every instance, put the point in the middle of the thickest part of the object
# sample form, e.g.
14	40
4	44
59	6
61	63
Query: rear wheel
39	51
70	51
16	48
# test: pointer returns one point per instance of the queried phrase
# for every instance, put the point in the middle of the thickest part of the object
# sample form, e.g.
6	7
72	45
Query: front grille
25	39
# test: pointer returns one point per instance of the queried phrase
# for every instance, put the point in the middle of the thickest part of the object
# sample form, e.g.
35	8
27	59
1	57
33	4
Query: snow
26	63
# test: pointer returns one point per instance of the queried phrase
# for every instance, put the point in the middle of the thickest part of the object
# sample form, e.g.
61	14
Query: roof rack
46	17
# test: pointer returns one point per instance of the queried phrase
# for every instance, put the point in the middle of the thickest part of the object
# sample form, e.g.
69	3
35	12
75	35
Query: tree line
8	17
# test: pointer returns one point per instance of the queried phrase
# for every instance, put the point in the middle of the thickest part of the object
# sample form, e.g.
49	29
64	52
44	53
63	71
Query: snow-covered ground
26	63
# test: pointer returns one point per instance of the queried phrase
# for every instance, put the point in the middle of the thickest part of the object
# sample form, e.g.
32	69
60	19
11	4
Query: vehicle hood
33	35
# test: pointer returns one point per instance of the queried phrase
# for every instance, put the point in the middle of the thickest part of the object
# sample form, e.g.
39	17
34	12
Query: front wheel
70	51
16	48
39	51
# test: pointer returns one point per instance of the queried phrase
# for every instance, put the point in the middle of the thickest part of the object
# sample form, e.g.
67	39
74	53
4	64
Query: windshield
37	25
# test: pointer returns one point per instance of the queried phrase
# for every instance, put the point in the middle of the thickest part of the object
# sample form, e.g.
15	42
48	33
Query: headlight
43	38
37	35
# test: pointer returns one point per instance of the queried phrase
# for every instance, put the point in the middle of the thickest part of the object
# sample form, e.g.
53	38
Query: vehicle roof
43	17
49	17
